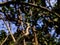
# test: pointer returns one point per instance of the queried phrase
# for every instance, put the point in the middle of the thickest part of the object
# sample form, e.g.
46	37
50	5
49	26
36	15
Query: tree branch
4	40
9	30
20	38
29	4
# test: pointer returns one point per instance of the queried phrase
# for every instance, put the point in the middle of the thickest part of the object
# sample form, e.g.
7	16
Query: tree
25	15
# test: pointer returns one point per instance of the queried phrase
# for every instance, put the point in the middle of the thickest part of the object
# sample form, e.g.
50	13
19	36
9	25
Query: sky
52	2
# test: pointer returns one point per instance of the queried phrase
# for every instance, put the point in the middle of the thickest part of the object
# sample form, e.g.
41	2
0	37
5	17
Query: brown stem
35	36
24	42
